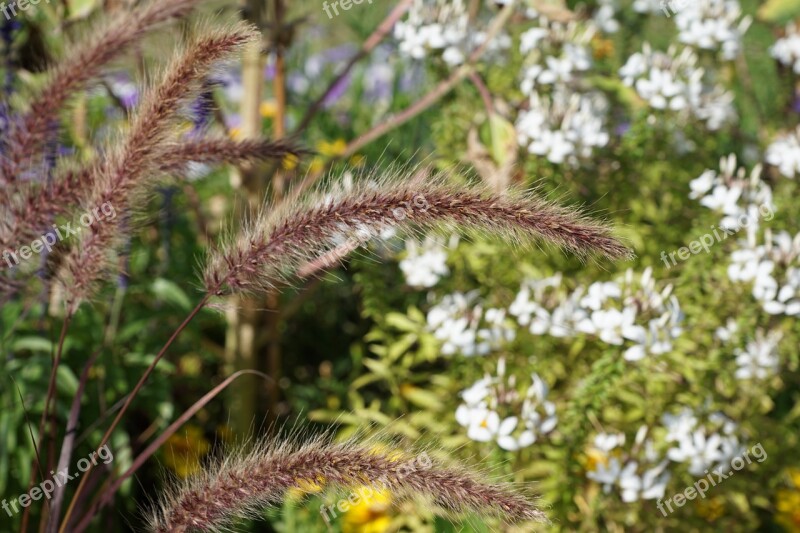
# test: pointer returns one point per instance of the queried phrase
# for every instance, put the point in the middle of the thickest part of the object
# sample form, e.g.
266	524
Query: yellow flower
711	509
788	507
235	133
794	475
602	48
306	486
317	165
370	514
357	160
184	450
595	457
290	162
268	108
330	149
191	364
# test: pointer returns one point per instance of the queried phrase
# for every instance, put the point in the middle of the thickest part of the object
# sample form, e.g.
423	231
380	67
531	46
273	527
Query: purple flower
337	91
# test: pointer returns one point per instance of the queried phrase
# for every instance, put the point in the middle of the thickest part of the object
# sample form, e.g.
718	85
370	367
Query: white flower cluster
649	6
743	200
488	398
442	26
713	25
465	328
787	49
672	81
763	264
784	153
555	53
604	16
759	360
565	126
702	447
628	312
699	446
424	266
639	474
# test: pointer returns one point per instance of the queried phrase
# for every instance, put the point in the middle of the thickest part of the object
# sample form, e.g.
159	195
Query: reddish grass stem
128	402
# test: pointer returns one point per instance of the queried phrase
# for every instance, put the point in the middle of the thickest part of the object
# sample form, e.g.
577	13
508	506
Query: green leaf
33	344
168	291
401	322
380	368
67	383
79	9
421	397
503	139
779	11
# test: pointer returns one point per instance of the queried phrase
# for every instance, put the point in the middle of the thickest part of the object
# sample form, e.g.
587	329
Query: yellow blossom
595	457
711	509
317	165
290	162
306	486
268	108
602	48
370	514
331	149
184	450
788	506
235	133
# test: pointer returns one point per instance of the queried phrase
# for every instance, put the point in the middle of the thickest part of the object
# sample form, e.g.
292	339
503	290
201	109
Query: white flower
649	486
672	81
648	6
742	198
784	153
482	401
442	28
482	425
726	332
565	126
538	413
608	441
679	426
424	267
606	474
712	25
760	359
604	17
530	39
507	441
787	49
476	394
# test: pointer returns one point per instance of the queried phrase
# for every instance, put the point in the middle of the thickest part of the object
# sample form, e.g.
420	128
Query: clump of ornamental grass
151	147
243	484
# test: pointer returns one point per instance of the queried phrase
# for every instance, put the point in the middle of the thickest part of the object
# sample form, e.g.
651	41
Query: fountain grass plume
244	483
130	163
280	240
85	62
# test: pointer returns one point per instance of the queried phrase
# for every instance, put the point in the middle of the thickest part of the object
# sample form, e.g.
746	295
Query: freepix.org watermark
674	6
62	477
59	233
344	4
711	480
716	235
366	493
23	5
